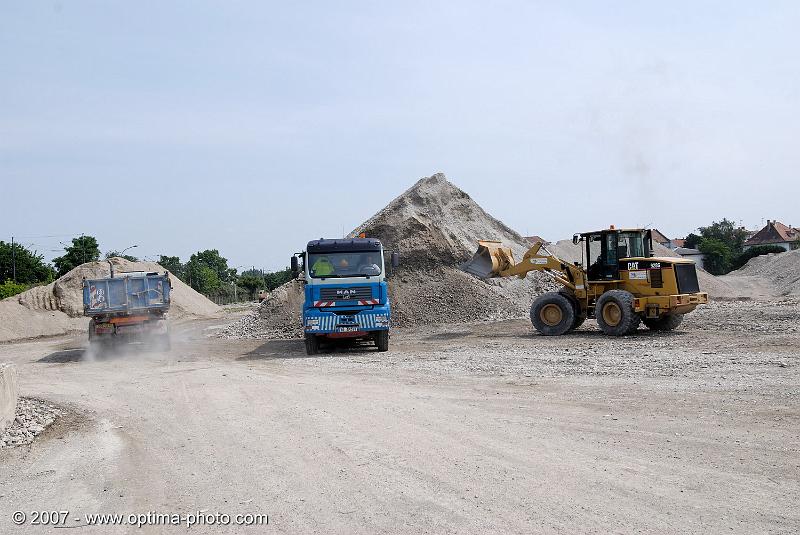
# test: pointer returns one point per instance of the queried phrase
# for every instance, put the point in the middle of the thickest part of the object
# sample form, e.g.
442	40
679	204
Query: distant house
691	254
775	233
678	243
658	237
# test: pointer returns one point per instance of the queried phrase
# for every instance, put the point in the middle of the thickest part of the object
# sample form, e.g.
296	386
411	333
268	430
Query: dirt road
466	429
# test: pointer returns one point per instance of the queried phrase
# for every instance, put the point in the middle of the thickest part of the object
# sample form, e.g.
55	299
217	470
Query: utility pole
13	260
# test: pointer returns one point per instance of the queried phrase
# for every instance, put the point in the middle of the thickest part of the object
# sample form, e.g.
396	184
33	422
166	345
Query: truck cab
346	295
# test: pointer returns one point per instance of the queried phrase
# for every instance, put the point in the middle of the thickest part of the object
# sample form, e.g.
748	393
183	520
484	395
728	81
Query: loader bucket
489	260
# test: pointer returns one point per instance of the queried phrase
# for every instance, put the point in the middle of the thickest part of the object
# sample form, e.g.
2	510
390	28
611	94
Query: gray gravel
33	416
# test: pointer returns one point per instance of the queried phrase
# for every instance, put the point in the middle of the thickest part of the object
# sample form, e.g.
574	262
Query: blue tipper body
126	295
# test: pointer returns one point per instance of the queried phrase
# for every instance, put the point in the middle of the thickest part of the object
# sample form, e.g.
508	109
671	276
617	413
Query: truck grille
353	293
686	275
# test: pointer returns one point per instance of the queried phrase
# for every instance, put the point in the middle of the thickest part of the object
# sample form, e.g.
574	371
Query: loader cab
605	248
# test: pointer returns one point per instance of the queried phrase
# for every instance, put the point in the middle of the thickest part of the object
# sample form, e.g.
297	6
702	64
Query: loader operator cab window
594	257
630	245
603	256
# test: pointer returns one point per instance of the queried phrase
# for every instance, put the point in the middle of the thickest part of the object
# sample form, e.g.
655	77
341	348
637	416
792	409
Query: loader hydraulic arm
493	260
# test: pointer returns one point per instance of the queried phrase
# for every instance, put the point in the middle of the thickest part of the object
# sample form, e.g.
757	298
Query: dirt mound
57	308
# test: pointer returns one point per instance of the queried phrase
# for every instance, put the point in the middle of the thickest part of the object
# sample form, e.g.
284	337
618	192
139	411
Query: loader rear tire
664	323
312	344
552	314
615	315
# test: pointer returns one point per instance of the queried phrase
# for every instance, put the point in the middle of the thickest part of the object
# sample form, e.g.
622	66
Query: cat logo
633	266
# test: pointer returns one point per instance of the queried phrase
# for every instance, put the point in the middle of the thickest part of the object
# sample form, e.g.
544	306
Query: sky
253	127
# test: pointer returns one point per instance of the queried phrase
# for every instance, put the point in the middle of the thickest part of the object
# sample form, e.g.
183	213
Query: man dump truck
619	282
346	295
128	308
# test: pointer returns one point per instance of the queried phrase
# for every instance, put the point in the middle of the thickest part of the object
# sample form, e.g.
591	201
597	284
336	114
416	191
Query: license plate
348	329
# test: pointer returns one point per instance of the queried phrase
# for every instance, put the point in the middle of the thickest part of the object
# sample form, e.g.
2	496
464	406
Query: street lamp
125	249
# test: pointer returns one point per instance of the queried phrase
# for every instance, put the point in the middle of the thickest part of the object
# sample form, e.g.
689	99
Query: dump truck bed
126	294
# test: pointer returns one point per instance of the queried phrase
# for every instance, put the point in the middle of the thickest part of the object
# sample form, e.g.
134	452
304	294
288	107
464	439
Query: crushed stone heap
435	227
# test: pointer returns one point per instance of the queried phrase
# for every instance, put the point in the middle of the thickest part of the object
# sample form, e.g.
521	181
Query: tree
212	259
9	288
83	249
717	256
202	278
30	266
692	241
726	232
277	278
252	282
173	265
112	254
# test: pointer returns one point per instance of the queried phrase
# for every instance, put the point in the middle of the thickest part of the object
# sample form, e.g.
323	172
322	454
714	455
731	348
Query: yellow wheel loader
618	282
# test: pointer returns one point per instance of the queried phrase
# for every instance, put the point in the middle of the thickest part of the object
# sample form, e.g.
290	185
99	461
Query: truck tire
312	344
664	323
552	314
576	307
382	340
615	315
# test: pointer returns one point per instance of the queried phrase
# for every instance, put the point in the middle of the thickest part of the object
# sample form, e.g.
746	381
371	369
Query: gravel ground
476	428
33	416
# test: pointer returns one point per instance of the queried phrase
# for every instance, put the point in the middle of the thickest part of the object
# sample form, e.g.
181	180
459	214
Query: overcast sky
252	127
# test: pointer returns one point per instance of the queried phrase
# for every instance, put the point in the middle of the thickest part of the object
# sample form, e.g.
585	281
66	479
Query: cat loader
619	282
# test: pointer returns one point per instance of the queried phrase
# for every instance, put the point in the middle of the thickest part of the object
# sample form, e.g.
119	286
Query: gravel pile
33	416
435	227
781	269
277	317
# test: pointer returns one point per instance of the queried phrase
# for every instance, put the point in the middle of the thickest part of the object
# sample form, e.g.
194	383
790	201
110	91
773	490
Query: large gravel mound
435	227
57	308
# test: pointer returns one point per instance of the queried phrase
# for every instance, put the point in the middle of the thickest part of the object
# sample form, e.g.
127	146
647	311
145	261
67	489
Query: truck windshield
348	264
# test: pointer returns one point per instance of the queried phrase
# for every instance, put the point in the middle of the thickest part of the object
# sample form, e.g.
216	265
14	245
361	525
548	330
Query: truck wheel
615	315
312	344
576	307
552	314
382	340
664	323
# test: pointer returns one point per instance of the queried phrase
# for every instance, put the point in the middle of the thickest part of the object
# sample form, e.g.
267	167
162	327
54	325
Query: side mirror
395	260
295	267
576	238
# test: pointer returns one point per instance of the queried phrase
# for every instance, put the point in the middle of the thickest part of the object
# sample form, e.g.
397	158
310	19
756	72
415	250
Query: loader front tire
664	323
312	344
576	307
615	315
552	314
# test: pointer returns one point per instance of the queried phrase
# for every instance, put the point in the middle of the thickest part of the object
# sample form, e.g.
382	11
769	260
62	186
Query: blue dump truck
128	308
346	295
